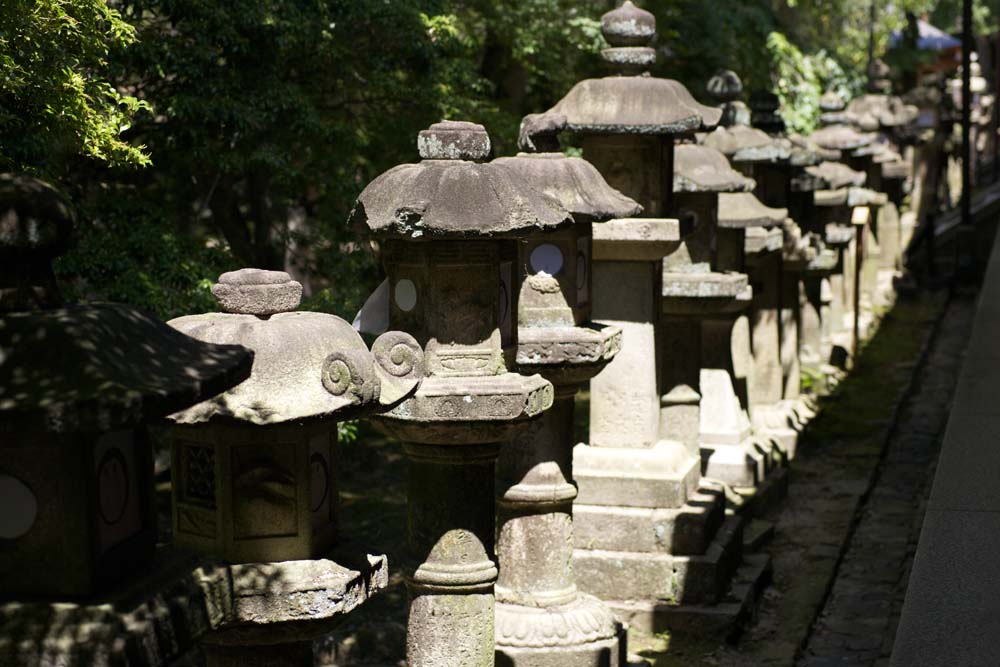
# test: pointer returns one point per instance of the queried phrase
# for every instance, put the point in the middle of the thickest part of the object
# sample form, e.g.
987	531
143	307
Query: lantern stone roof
840	137
91	366
809	152
452	194
744	209
104	366
307	365
742	143
634	105
703	169
630	101
572	181
831	101
886	110
837	175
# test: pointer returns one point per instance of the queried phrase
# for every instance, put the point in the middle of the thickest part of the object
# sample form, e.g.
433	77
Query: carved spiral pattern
350	373
399	354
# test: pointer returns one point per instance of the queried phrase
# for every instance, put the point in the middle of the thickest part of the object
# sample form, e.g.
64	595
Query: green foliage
800	80
56	103
264	119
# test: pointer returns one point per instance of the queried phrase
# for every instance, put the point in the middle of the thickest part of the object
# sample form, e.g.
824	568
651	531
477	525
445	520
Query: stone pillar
541	616
770	415
448	229
647	539
450	528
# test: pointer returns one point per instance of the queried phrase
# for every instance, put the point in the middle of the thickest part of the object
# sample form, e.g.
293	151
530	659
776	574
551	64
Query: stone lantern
255	468
542	618
706	292
78	385
833	206
646	529
806	265
448	229
767	159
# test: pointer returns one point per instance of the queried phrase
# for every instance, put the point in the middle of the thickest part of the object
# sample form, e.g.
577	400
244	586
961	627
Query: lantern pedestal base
583	633
651	578
703	620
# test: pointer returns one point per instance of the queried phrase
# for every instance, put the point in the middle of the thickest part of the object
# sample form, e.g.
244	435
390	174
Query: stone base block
777	422
583	633
630	575
723	620
664	475
744	465
682	531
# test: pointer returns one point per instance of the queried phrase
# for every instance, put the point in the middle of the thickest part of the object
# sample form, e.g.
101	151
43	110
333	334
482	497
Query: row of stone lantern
689	266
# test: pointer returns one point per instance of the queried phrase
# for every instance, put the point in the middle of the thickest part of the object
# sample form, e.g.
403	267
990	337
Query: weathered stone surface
628	26
306	365
837	175
572	181
158	618
703	169
760	240
741	143
707	285
632	104
456	293
661	476
257	292
288	601
487	404
78	384
888	110
544	347
671	579
865	197
454	197
454	140
740	210
624	405
636	239
684	530
840	137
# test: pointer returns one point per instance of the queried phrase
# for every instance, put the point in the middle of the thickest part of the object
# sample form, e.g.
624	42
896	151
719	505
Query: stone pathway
858	623
859	472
